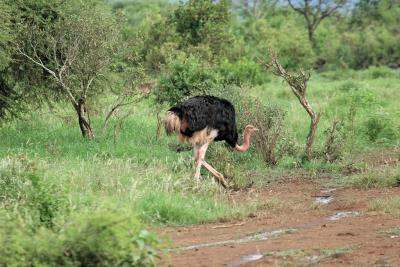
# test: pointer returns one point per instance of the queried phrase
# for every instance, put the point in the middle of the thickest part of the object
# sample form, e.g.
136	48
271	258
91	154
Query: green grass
386	205
372	178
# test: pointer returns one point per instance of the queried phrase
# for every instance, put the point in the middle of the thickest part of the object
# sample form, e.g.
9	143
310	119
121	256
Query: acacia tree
75	52
314	11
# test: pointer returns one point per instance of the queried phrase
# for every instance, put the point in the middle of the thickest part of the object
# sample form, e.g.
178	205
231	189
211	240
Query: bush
243	71
380	127
100	238
22	190
269	119
183	78
334	143
37	227
374	72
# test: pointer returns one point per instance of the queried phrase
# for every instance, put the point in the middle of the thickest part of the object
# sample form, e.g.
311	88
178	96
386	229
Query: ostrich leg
196	155
201	161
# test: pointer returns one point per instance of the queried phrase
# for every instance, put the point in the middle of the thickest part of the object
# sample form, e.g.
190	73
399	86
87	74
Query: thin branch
296	8
52	73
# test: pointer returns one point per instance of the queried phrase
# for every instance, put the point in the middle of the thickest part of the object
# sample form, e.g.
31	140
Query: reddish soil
358	240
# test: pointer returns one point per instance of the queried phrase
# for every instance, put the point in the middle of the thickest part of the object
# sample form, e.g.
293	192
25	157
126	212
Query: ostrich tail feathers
172	123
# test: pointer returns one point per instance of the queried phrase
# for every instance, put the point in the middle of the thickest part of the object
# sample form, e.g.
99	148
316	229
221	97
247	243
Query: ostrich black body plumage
216	113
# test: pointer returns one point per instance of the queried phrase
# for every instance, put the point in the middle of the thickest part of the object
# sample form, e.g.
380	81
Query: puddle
323	200
245	259
303	257
250	238
342	214
260	236
313	258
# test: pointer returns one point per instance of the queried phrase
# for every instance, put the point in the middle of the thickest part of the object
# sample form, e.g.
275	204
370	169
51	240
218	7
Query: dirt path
295	231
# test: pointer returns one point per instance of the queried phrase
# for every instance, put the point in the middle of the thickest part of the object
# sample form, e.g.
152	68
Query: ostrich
201	120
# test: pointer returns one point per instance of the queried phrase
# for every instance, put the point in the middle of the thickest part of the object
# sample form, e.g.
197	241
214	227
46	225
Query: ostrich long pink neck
246	142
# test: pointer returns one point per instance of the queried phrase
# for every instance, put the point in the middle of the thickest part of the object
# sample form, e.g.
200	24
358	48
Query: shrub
374	72
334	143
24	191
100	238
107	238
379	127
183	78
373	127
271	142
269	119
243	71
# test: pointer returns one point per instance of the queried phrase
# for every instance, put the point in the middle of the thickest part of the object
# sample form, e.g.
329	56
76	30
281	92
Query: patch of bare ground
297	231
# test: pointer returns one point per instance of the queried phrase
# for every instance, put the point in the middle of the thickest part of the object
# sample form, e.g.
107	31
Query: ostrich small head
250	129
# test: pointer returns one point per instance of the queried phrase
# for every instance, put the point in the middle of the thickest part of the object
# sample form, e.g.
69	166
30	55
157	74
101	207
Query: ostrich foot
217	174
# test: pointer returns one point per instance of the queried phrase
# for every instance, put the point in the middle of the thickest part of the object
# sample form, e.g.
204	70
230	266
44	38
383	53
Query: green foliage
39	227
5	34
375	72
77	46
107	238
269	119
282	34
183	78
244	71
99	238
380	127
22	189
203	22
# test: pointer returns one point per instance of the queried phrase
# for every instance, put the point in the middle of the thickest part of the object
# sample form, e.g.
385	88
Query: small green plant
374	127
380	127
334	143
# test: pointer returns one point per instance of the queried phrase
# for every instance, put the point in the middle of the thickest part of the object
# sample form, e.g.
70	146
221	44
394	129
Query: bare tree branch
298	84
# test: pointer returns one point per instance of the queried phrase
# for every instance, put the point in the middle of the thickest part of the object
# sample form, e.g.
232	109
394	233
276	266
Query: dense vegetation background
107	70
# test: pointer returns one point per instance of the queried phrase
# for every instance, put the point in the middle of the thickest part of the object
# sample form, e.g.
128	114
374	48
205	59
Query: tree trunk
313	126
84	119
311	36
311	134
